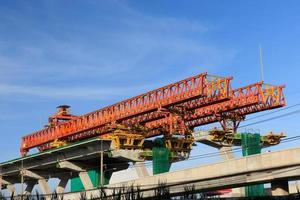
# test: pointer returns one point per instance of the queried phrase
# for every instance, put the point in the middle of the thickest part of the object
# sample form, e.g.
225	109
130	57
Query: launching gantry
123	132
172	111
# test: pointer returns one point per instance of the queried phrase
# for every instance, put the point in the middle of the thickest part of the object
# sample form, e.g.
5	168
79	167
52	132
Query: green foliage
161	192
189	192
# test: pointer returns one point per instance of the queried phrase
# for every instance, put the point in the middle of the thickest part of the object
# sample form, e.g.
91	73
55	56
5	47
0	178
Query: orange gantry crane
172	109
243	101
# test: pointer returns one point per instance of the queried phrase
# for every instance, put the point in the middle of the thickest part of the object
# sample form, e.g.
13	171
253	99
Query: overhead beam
44	165
87	150
40	179
30	174
4	182
10	186
69	165
129	155
1	182
82	173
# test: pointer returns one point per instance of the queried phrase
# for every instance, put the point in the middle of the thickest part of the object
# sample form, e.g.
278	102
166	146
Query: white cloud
102	93
133	43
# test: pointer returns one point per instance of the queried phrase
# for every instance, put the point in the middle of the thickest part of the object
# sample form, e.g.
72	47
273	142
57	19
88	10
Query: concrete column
83	174
280	188
86	181
1	183
45	189
12	189
140	169
62	185
226	153
29	187
44	186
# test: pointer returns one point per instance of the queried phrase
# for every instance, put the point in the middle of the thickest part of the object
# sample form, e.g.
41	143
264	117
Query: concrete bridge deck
276	168
63	163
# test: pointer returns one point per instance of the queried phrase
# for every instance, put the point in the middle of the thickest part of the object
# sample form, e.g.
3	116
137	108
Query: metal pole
101	164
22	180
261	63
1	179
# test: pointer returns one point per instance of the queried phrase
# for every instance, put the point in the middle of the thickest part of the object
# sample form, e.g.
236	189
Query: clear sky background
89	54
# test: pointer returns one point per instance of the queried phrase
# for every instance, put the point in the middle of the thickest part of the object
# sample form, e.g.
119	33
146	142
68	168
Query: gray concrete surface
263	168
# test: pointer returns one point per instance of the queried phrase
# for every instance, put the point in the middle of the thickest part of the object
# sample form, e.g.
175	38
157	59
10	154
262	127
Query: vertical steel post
1	179
261	63
22	180
101	164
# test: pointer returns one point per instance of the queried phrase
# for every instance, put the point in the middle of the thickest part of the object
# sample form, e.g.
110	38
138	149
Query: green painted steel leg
76	184
251	144
161	158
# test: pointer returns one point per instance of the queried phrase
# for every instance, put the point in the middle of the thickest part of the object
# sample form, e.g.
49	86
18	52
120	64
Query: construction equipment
62	115
220	138
243	101
173	109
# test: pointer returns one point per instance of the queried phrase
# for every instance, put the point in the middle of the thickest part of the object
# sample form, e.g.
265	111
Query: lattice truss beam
175	108
246	100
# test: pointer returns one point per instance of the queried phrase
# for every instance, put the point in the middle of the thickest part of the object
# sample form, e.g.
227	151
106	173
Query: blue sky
90	54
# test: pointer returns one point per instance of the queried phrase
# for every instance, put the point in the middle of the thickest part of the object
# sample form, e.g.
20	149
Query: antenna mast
261	64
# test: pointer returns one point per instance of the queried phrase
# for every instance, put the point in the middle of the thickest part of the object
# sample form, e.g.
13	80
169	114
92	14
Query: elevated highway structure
276	168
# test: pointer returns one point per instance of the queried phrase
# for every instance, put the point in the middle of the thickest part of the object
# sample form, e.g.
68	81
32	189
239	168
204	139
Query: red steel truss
214	89
246	100
253	98
176	93
188	103
217	89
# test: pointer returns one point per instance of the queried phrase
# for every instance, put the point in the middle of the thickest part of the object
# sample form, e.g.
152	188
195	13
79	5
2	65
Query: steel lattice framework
177	107
250	99
243	101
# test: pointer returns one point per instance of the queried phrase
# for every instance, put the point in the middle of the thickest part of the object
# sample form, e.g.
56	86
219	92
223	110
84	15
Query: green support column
76	184
161	157
251	144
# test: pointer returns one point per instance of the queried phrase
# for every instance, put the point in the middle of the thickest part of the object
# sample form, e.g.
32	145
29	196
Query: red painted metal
251	99
180	106
176	93
62	115
217	89
246	100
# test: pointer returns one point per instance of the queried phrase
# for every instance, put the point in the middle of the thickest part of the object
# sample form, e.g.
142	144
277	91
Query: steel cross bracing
177	107
253	98
216	89
246	100
176	93
250	99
